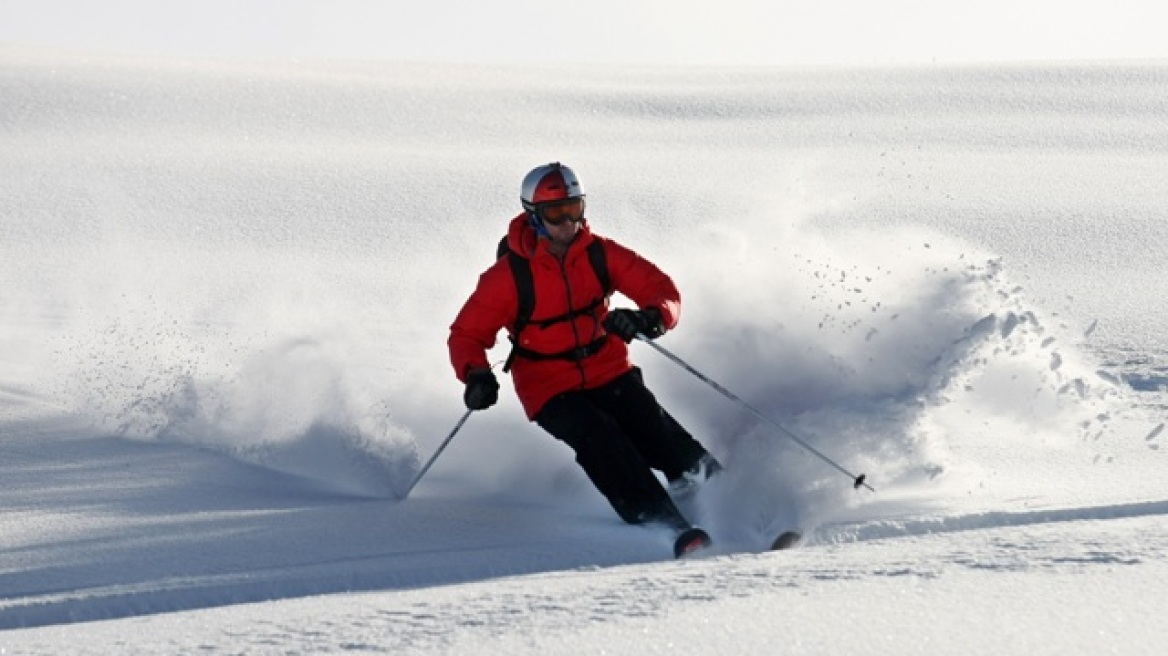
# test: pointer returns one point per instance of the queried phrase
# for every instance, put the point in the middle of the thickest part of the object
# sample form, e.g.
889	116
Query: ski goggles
556	213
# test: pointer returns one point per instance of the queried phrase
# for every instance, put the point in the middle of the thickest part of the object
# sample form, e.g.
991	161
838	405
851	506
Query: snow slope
227	286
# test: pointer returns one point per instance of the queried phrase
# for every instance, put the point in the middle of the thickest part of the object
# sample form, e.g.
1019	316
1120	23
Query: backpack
525	286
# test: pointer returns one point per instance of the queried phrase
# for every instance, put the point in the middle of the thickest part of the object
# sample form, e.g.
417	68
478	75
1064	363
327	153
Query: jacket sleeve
644	283
491	307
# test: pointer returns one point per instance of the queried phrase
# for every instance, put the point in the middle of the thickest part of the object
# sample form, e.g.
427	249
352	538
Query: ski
786	540
690	541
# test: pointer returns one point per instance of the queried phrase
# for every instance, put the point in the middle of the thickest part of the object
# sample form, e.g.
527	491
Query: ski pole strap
858	481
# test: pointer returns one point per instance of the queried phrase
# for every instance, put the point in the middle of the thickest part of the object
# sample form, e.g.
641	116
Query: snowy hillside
227	286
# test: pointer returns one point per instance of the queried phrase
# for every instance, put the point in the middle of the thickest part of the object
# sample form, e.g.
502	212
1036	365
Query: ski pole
858	481
437	453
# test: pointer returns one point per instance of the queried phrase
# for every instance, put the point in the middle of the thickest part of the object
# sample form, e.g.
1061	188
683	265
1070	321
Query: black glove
626	324
482	390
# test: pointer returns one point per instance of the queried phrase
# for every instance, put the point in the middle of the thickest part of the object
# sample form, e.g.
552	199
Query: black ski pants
620	433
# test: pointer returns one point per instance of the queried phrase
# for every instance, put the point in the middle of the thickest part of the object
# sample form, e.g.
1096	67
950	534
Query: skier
570	360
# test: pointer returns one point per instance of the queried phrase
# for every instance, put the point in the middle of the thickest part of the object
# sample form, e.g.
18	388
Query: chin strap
535	222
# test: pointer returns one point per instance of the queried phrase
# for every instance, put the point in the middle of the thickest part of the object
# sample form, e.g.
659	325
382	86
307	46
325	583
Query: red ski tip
690	541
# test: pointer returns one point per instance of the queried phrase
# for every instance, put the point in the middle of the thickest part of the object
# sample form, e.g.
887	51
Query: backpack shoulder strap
525	286
525	290
599	261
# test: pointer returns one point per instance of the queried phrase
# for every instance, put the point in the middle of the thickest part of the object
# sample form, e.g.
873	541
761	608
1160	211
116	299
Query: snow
226	289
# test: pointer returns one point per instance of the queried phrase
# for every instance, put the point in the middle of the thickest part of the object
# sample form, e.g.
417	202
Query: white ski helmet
548	184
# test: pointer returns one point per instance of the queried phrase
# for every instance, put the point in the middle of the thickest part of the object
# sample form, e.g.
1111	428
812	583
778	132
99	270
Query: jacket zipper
572	321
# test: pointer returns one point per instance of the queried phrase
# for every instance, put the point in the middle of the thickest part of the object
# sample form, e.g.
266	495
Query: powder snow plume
918	363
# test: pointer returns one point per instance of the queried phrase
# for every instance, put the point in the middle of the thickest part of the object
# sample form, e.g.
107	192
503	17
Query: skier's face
562	233
562	220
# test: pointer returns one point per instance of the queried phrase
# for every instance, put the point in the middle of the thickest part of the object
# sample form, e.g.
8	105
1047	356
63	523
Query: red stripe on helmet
551	187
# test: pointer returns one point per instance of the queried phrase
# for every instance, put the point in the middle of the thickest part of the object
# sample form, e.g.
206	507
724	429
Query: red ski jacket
561	287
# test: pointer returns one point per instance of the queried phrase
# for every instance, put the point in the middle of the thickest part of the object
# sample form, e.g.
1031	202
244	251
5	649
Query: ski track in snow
890	528
610	604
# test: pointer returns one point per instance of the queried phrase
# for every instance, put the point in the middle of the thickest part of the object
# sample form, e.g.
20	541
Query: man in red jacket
570	360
